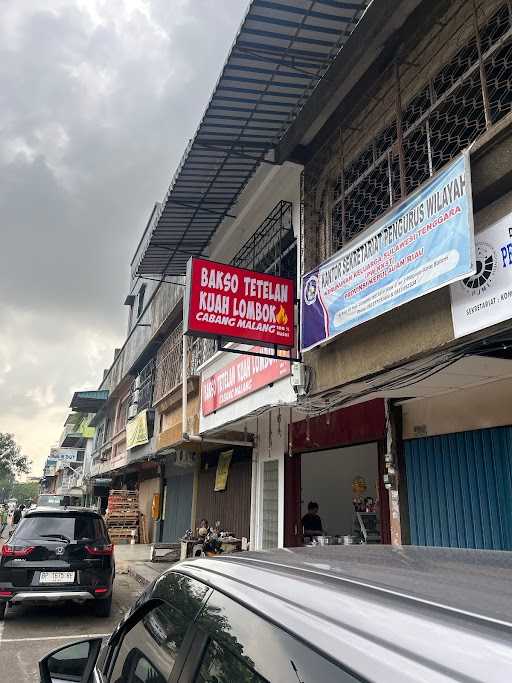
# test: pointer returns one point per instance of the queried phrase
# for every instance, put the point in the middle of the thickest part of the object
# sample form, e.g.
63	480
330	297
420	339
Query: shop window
168	366
142	393
140	302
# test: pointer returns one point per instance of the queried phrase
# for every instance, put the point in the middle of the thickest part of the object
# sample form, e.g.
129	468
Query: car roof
415	602
61	510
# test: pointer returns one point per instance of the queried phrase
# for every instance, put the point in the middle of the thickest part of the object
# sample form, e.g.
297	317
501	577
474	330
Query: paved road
29	632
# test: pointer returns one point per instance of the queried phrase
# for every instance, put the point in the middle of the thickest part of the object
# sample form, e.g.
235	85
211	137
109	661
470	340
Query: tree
12	462
24	491
6	486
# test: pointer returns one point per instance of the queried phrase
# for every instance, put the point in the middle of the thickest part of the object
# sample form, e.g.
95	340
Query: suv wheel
3	607
103	607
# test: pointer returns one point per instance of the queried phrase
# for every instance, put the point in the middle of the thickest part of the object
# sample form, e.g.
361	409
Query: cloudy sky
97	101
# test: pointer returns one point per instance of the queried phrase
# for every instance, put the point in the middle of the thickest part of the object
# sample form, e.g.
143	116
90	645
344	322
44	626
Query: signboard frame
254	337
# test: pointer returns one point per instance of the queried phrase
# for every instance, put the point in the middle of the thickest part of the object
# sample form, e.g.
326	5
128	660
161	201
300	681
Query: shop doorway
327	477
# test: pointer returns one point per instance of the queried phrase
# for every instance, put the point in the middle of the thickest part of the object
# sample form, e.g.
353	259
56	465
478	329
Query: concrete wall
269	185
271	444
327	479
169	426
488	405
479	407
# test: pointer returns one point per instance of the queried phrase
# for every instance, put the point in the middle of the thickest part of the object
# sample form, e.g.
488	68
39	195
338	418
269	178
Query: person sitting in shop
312	523
203	529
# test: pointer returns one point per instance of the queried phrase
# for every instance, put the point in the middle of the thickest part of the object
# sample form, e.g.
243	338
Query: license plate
57	577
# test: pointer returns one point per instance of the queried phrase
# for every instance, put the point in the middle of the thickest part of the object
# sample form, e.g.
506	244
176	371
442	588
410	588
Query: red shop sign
238	304
241	377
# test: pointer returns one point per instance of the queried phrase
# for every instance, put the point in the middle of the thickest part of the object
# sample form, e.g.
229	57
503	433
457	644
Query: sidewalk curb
144	574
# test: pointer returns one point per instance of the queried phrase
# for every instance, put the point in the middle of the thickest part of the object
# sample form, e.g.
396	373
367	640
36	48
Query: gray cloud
97	101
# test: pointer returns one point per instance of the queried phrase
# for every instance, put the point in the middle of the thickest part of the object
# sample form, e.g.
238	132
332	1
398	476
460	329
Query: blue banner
422	244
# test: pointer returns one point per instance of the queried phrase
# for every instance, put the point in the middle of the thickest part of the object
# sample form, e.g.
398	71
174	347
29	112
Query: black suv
55	555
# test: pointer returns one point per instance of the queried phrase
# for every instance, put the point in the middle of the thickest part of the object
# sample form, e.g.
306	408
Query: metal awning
88	401
73	440
282	50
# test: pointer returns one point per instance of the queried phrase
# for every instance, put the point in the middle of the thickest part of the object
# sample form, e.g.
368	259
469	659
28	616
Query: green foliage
23	491
6	486
12	462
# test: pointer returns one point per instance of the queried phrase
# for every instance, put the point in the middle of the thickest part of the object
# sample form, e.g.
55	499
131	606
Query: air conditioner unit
132	411
136	384
135	396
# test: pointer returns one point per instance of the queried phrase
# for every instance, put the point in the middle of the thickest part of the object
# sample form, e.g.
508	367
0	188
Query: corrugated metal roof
88	401
282	50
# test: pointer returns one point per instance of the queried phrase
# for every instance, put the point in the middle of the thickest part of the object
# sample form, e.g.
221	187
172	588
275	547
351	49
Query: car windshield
60	527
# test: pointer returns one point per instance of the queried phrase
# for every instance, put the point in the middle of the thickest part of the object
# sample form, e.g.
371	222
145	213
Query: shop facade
179	459
439	360
246	403
457	444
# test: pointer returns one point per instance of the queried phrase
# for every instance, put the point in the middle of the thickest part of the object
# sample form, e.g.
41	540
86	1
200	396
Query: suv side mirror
73	662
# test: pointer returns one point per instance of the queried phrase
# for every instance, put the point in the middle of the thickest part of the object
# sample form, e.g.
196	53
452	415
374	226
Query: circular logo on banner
486	264
359	485
310	290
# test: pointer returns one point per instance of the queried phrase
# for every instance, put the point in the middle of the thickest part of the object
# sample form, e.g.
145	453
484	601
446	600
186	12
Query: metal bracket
255	353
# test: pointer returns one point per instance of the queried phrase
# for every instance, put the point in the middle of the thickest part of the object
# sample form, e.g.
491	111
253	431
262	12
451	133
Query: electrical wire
317	406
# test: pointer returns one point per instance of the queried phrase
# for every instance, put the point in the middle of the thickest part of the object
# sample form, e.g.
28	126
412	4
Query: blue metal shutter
460	489
178	507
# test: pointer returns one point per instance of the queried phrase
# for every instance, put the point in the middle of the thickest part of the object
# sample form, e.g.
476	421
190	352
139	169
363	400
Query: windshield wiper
60	536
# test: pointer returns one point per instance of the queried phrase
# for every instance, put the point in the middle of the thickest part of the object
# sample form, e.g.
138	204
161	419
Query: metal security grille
272	247
122	413
168	369
449	89
168	364
270	504
459	489
145	386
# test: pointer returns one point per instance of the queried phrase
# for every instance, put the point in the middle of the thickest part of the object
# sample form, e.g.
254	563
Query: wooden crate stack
123	516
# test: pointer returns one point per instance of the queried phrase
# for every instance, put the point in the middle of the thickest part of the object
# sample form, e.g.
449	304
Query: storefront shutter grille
270	503
460	489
